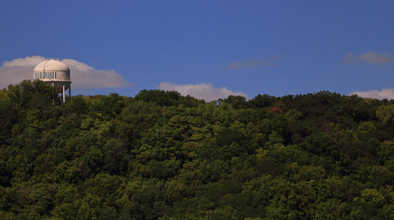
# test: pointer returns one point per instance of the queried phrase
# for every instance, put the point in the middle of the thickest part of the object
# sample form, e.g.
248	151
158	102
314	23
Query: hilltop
160	155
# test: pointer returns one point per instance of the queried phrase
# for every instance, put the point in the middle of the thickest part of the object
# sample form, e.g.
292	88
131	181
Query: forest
161	155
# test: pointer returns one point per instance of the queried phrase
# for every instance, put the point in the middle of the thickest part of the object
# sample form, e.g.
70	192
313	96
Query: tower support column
64	94
69	92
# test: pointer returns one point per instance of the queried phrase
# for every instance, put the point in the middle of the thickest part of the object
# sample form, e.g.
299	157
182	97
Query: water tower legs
69	93
64	94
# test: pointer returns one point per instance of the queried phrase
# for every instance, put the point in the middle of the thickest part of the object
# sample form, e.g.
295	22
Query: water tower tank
56	73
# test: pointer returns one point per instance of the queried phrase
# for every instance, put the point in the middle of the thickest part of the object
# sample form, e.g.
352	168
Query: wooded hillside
160	155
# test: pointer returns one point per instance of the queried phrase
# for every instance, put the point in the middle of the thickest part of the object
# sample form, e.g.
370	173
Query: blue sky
251	47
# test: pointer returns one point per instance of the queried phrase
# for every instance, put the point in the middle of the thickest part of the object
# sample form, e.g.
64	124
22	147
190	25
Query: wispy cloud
368	57
82	75
376	94
200	91
252	63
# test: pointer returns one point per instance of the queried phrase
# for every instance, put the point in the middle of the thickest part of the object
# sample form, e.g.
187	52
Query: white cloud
200	91
376	94
251	63
21	62
82	75
369	57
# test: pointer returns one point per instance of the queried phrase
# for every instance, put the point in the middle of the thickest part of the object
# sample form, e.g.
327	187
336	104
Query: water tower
57	74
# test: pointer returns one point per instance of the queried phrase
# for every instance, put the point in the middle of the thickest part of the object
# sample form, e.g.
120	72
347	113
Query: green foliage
163	156
385	113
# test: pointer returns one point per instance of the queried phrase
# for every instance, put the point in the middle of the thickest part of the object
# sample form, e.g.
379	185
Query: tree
385	113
